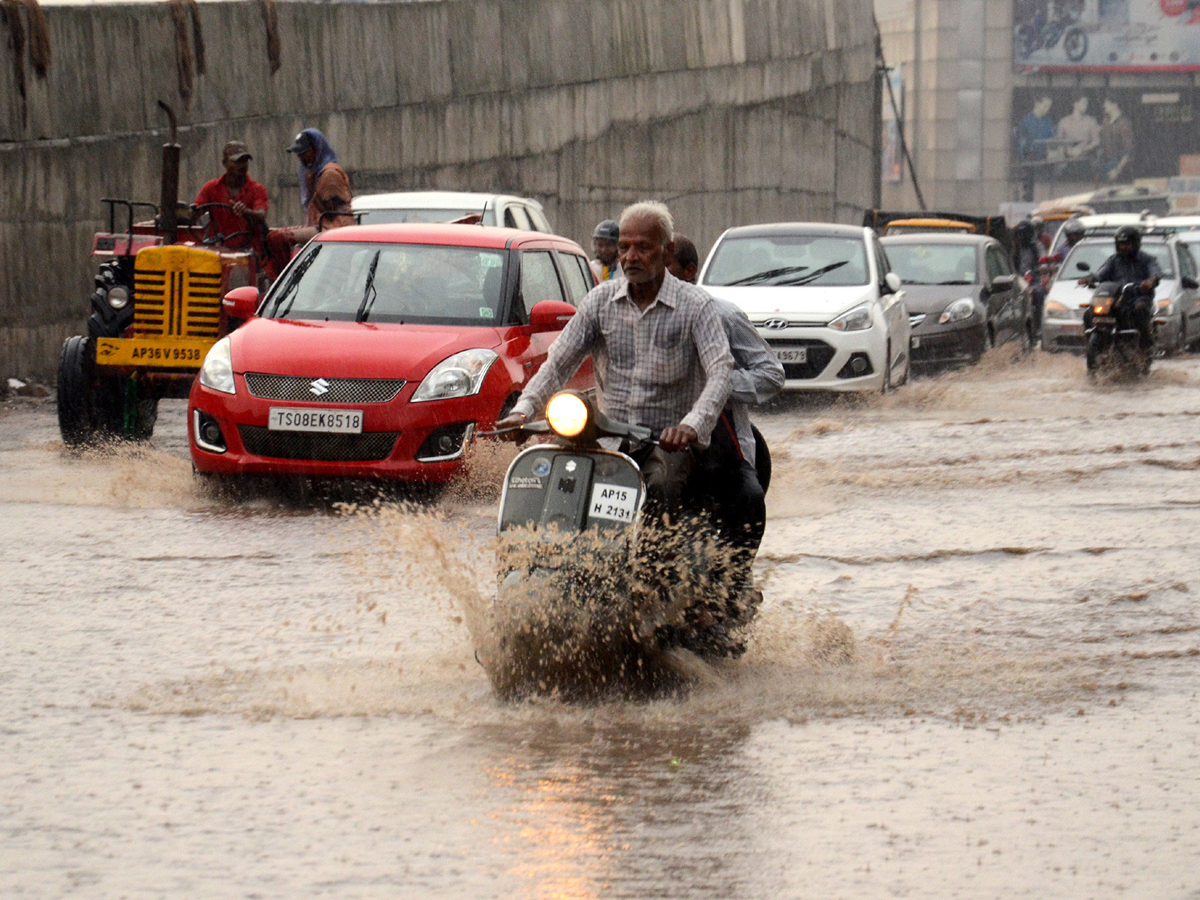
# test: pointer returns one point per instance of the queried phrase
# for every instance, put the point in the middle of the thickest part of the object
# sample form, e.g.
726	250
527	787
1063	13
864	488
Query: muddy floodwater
975	674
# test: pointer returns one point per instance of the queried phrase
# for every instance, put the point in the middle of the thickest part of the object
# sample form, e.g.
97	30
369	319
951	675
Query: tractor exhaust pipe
169	195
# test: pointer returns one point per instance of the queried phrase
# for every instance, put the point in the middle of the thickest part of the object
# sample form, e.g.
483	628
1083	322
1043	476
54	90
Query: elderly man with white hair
661	355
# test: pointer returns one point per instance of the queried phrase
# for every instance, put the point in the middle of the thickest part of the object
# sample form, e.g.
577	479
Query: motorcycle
594	597
1044	34
1114	342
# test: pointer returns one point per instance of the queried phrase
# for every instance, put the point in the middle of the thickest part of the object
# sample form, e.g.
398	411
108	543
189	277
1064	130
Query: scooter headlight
567	414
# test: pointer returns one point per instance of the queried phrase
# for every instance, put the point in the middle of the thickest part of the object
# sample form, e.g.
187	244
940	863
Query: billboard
1104	137
893	103
1106	35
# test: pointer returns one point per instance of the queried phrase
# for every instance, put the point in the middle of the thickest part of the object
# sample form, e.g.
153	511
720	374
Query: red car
381	349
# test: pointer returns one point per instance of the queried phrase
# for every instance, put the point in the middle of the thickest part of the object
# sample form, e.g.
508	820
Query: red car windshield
377	282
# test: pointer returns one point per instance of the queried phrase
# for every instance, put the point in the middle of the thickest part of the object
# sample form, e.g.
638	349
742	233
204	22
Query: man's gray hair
655	211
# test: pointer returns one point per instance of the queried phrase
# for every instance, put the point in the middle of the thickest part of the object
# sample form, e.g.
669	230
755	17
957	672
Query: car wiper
293	285
813	276
369	292
956	281
770	273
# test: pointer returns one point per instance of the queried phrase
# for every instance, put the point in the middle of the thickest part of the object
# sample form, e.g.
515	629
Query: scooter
1114	343
592	597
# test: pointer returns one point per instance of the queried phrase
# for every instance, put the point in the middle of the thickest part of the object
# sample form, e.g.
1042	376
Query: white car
824	298
504	210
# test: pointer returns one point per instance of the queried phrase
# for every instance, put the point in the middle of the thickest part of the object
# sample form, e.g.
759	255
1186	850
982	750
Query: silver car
1176	301
446	206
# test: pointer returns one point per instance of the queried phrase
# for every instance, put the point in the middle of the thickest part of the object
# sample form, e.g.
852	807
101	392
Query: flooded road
975	674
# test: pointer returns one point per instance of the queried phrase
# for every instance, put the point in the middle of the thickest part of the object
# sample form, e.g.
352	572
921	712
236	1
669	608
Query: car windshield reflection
778	260
1094	255
406	283
933	263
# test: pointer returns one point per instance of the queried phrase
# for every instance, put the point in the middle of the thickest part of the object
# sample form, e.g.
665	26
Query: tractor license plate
337	421
792	354
153	353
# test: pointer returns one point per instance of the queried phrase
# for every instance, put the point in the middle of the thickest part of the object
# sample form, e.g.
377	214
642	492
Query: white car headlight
857	319
217	371
958	311
460	375
1056	310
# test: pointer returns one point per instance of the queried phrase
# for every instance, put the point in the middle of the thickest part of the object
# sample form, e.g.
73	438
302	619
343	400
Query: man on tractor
235	203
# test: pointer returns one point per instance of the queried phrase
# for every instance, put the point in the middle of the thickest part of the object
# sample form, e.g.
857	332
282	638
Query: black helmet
608	230
1073	228
1130	234
1023	231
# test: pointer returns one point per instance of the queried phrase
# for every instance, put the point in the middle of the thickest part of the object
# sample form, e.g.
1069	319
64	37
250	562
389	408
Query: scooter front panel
570	490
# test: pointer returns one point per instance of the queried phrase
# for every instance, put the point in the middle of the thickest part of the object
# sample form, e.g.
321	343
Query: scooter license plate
613	501
792	354
337	421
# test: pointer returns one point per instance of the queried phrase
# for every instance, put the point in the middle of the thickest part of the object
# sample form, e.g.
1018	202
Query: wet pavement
975	674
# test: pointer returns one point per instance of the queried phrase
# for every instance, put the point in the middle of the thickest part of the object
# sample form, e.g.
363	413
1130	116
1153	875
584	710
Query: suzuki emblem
319	387
775	324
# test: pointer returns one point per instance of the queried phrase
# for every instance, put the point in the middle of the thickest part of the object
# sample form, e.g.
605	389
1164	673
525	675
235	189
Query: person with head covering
241	201
324	185
604	243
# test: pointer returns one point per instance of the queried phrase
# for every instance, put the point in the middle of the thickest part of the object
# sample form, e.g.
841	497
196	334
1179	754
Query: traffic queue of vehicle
382	348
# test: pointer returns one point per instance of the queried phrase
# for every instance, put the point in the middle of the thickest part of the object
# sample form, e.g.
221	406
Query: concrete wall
956	57
733	111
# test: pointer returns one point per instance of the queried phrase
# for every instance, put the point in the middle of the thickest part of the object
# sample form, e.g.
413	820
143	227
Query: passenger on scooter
1129	265
661	356
728	467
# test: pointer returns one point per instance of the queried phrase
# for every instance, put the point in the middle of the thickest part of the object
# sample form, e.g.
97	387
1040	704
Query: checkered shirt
667	366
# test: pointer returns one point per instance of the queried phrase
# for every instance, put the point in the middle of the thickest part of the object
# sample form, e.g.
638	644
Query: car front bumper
1063	334
402	441
937	345
833	359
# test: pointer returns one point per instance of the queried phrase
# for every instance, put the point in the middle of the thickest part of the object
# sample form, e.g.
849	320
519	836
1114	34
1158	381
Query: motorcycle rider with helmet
1130	265
1073	233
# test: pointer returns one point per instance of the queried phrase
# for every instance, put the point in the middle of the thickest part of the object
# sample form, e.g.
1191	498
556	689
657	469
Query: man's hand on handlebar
511	425
1149	284
676	439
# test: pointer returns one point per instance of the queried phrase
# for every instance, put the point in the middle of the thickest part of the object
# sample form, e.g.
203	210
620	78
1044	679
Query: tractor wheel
76	392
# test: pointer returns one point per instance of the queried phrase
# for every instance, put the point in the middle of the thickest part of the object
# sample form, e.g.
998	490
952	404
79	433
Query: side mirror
892	280
241	303
1189	282
550	315
1003	282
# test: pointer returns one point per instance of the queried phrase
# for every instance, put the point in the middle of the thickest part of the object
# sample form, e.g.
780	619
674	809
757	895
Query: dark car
963	296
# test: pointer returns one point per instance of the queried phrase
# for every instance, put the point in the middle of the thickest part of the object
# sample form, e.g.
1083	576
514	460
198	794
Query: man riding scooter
1129	265
662	358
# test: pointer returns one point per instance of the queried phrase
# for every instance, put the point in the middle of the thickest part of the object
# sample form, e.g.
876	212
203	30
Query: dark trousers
666	476
730	484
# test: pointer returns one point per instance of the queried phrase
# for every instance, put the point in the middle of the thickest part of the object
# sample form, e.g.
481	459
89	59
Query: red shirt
226	221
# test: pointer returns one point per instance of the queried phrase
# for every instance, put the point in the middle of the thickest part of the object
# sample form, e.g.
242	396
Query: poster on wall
1106	35
1104	137
893	170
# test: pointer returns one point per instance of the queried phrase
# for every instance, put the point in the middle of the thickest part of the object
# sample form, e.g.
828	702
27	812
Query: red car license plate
337	421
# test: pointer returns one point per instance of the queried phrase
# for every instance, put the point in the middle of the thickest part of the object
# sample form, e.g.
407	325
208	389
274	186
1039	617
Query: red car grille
369	446
324	390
